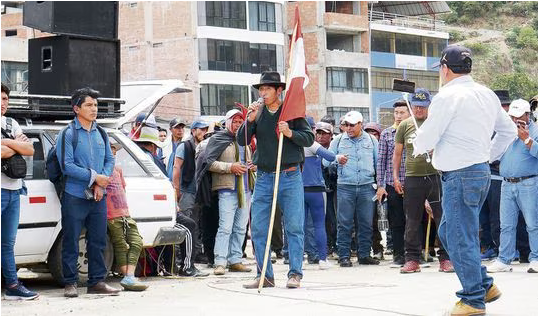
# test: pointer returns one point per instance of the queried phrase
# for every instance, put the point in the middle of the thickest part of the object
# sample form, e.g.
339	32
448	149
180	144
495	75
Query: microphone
259	101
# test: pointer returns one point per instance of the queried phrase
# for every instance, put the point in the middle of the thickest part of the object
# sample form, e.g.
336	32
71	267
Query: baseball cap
455	56
324	126
177	121
233	113
503	96
519	107
353	117
421	97
199	124
311	121
149	121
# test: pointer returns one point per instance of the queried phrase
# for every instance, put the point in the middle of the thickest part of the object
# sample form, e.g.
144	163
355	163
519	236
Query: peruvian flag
297	79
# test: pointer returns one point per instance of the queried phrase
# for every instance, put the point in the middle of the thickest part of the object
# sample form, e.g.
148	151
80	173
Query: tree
519	85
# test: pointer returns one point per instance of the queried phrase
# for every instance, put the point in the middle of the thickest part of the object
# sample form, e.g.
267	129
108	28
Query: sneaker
325	264
70	290
130	283
462	309
192	272
19	292
368	261
398	262
446	266
379	256
294	281
492	294
389	252
345	262
498	266
410	267
313	260
533	267
239	267
219	270
489	254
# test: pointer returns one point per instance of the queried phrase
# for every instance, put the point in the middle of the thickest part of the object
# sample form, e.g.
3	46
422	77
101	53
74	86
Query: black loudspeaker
58	65
98	19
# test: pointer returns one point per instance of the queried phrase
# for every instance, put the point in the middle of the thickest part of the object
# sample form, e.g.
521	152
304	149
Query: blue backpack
53	166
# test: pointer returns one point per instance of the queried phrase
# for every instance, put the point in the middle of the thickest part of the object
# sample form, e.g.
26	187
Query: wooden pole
427	248
273	210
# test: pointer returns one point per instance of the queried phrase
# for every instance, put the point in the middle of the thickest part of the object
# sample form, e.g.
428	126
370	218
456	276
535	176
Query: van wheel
55	259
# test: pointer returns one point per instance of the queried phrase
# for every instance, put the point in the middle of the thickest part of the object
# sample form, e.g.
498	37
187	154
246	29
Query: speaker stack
85	52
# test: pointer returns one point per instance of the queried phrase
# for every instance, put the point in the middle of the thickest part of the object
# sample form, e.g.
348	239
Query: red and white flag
297	79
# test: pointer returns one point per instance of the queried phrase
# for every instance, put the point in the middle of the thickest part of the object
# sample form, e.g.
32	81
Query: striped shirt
384	160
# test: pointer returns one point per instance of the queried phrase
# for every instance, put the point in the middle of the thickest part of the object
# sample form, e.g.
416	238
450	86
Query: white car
150	196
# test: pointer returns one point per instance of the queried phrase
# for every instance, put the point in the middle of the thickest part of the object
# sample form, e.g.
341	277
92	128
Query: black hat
270	78
455	57
504	96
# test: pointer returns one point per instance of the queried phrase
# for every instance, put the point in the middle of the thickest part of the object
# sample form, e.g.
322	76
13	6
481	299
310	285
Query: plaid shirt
384	158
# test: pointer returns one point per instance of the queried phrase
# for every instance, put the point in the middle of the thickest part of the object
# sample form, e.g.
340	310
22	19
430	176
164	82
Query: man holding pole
462	118
262	121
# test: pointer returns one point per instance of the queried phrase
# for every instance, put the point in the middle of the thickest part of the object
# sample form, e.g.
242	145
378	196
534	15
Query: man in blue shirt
519	169
356	155
177	126
87	170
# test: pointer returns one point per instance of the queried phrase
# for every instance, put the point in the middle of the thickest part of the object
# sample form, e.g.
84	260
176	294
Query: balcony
345	22
407	21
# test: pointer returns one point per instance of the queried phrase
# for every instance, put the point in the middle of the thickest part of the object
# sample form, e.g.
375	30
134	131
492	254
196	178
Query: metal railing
407	21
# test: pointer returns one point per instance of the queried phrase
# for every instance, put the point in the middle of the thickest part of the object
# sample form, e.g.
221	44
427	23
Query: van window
130	167
35	165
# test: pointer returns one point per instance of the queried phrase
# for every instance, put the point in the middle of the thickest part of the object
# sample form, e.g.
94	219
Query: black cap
270	78
503	96
455	57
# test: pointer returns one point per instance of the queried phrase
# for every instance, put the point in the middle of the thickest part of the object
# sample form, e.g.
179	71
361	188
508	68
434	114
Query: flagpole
273	211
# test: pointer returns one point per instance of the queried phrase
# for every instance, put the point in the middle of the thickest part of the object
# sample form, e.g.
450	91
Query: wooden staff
273	210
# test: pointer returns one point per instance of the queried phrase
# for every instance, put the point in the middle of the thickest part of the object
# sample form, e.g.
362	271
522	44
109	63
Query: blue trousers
10	222
76	214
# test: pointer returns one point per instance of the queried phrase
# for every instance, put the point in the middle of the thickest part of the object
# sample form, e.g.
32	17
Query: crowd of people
436	162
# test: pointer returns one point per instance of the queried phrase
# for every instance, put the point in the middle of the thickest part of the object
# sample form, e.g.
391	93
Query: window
262	16
347	79
262	58
237	56
337	111
345	42
346	7
35	165
409	44
382	79
434	47
129	166
224	55
217	99
226	14
11	33
381	41
15	75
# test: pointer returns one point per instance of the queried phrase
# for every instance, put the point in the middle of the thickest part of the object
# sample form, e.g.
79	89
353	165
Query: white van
150	196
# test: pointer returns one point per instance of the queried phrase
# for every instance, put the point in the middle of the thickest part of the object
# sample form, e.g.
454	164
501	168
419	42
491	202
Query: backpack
15	166
53	166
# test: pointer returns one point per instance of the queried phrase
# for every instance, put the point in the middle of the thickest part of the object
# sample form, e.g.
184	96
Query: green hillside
503	36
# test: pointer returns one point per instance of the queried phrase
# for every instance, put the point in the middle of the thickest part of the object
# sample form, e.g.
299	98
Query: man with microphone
262	121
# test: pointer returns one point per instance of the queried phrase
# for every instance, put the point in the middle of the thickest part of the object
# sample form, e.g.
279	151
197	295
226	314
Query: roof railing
378	17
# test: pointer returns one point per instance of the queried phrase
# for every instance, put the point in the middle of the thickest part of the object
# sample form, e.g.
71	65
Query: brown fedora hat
270	78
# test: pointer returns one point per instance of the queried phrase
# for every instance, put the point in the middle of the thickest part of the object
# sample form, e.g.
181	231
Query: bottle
382	222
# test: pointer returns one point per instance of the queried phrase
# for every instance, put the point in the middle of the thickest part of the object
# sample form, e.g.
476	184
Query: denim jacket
362	158
92	156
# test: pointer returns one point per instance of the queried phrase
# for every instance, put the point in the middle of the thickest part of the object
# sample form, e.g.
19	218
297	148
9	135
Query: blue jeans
316	236
10	222
76	213
291	202
515	197
464	192
355	203
232	228
489	217
310	247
